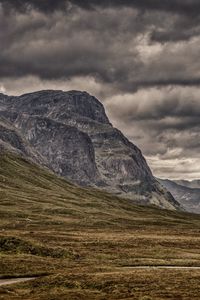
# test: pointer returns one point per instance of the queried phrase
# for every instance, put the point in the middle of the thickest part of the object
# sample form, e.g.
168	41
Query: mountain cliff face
186	192
12	141
71	134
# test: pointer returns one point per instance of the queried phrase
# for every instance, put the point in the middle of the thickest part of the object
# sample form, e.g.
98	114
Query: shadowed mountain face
187	193
71	134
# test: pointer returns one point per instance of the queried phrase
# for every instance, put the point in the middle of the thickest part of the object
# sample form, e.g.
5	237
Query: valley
82	243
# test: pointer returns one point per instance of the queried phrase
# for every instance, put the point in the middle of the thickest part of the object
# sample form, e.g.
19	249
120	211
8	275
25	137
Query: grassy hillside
83	240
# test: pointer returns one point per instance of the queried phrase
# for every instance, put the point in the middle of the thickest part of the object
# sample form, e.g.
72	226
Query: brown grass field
84	243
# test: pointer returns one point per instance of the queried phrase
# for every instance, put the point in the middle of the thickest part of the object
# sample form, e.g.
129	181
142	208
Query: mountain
194	184
185	192
69	133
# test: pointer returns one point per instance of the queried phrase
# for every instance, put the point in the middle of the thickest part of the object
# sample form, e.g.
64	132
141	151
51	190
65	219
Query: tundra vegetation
81	243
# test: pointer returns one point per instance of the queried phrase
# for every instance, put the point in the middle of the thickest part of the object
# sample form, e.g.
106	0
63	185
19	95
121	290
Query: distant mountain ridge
69	133
194	184
185	192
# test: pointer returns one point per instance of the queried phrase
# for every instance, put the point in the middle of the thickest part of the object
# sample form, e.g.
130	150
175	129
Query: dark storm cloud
50	48
171	106
184	27
188	7
166	103
45	6
91	43
181	27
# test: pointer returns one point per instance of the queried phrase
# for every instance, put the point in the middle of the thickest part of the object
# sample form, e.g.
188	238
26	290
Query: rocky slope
71	134
186	192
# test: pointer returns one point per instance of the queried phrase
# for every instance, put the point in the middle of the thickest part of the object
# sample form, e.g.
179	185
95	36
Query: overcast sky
139	57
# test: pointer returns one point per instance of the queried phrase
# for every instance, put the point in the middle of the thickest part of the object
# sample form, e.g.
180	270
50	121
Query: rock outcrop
12	141
71	132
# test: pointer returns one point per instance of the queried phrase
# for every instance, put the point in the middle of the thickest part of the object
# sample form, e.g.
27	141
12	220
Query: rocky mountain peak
3	97
59	104
72	133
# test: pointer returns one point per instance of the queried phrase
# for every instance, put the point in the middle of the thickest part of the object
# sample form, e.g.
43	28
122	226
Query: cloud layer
188	7
164	122
140	56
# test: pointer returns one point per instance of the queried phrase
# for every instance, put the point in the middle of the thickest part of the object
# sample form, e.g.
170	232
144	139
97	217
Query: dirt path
14	280
118	270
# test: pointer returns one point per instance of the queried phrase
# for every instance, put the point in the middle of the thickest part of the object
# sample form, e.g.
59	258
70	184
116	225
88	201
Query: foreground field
82	244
